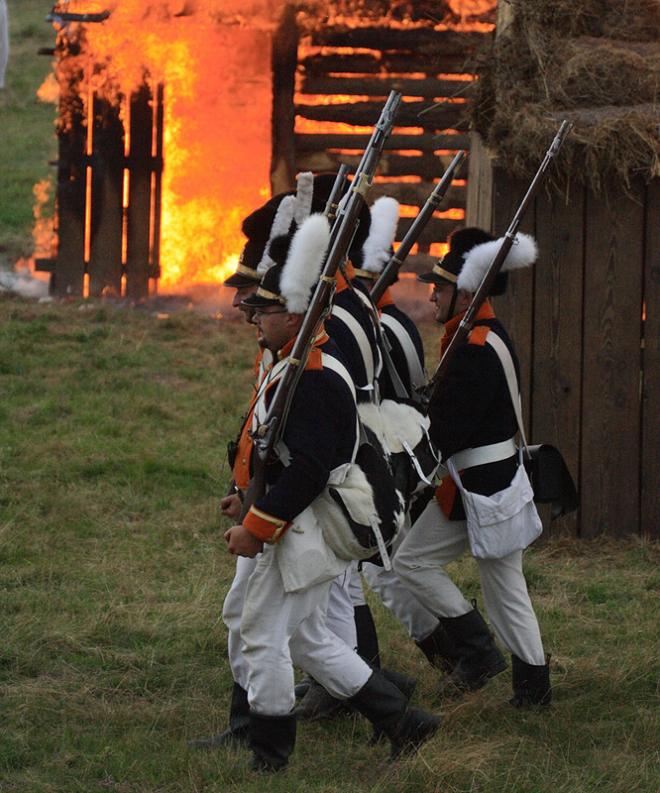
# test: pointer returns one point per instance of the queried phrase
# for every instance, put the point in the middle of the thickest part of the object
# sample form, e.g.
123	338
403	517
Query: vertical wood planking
479	210
650	461
284	63
70	266
610	417
139	200
557	355
515	307
105	267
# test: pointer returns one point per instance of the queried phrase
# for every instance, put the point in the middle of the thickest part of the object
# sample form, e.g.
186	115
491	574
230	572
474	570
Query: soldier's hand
230	506
241	543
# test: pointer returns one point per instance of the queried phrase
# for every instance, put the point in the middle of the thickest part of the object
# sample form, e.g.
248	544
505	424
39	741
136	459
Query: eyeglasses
260	312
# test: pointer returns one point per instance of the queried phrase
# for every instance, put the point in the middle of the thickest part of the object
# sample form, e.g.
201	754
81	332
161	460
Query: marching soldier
473	423
402	376
283	619
257	228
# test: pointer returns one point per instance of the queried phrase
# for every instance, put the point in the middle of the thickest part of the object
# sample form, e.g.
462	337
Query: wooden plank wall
428	132
590	364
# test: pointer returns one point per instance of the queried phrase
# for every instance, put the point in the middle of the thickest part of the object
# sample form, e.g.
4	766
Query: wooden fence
585	322
108	199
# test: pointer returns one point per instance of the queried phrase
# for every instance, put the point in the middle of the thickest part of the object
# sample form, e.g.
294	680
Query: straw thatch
596	62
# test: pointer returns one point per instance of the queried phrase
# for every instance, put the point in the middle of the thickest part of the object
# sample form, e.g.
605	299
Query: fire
213	58
216	73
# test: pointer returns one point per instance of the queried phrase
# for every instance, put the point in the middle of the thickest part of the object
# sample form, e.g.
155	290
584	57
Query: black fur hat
447	269
256	227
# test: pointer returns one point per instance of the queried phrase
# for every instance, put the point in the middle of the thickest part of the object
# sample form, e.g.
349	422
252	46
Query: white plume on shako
384	220
523	253
303	264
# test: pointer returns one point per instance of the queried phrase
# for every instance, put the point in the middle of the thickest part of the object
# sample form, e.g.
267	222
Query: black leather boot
237	732
367	637
271	739
531	684
406	686
440	650
479	658
387	709
318	704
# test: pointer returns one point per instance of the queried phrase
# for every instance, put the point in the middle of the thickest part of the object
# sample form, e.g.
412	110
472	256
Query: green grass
113	425
26	125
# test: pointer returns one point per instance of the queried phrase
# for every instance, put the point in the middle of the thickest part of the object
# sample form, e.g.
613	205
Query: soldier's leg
239	710
365	627
348	677
232	611
270	618
433	542
315	702
514	621
341	616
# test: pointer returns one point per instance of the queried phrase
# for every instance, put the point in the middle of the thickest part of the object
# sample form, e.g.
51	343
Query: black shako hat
322	187
471	252
256	227
290	284
447	269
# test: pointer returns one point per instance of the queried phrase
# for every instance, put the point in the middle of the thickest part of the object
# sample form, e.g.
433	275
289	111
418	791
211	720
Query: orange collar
314	358
451	326
343	283
386	299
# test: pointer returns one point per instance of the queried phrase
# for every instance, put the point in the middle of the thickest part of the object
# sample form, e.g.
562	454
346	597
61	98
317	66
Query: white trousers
232	611
280	629
433	542
398	597
340	618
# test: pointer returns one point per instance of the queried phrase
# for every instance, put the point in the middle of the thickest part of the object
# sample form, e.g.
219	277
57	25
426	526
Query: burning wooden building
177	118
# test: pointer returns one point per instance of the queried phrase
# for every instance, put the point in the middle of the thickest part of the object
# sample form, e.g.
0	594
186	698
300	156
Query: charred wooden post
69	265
284	63
106	162
139	195
157	197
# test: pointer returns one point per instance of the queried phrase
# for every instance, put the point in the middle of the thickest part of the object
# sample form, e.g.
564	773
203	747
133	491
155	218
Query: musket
467	322
332	204
389	273
267	433
330	212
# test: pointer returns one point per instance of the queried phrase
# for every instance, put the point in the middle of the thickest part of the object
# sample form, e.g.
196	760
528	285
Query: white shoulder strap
502	352
362	341
415	369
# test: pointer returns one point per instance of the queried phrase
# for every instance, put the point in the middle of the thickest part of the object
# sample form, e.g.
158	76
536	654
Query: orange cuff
263	526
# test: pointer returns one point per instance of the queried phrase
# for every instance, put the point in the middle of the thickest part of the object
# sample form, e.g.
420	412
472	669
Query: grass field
113	424
26	125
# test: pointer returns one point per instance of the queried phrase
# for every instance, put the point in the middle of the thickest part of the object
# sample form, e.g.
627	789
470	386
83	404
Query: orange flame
216	72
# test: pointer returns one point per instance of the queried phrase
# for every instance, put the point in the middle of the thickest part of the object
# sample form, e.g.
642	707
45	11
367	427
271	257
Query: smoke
22	283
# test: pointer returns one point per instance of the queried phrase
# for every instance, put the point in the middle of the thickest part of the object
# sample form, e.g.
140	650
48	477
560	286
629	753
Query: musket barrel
485	286
342	233
388	275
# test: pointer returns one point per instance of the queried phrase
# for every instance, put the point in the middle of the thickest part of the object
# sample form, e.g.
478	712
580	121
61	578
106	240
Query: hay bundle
596	62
